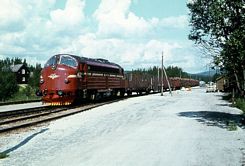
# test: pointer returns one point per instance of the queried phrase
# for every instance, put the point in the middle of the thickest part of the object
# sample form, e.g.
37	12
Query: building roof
221	77
16	68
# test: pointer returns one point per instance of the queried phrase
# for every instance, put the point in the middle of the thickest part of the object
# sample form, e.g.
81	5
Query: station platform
6	108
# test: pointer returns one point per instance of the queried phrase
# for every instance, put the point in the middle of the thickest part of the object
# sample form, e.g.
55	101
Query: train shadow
26	140
226	104
219	119
101	99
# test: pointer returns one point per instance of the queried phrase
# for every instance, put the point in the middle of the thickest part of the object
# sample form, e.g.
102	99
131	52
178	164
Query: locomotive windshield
68	61
52	61
62	59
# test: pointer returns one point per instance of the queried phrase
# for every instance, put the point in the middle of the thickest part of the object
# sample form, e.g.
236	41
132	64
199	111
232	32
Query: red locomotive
66	78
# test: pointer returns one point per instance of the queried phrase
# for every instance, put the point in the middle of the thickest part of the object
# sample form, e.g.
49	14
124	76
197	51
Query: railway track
25	120
16	119
19	112
19	102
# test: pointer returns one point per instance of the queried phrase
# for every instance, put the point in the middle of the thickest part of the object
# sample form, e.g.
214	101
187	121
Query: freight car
66	78
188	82
140	82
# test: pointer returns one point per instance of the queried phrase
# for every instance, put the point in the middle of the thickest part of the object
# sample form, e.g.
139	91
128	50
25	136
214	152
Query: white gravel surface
189	128
20	106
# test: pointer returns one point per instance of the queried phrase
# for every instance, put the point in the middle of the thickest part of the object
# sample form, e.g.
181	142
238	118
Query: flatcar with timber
139	82
67	78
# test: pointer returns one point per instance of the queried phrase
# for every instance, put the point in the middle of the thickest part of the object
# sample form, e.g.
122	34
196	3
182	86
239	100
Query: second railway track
12	123
15	119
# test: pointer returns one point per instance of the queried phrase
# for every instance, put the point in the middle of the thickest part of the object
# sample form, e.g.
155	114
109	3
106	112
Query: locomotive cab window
52	61
68	61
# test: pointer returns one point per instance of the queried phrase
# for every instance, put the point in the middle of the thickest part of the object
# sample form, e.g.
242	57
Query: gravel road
188	128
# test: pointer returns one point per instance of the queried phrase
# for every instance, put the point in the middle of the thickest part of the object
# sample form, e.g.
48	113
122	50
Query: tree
219	27
35	77
8	85
172	71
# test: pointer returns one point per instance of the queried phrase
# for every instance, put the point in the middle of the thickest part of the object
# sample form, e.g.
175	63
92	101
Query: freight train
67	78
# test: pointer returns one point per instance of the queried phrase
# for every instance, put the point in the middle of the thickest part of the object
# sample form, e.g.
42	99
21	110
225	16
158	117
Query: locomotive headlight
66	81
41	81
39	93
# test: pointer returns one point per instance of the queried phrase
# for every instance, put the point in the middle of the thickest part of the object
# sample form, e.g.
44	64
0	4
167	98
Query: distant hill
210	73
206	75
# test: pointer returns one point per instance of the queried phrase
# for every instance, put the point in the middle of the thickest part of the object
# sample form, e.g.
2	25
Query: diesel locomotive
66	78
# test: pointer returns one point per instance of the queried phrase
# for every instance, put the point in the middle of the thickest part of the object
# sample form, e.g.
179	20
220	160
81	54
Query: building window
23	79
23	71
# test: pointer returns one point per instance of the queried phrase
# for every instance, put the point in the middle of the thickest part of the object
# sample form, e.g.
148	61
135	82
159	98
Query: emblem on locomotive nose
53	76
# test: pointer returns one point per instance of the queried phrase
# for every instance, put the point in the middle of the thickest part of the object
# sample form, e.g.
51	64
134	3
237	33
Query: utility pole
158	79
163	69
162	77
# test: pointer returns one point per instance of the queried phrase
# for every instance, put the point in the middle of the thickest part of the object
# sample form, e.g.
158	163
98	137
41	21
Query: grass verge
25	93
3	155
240	103
231	126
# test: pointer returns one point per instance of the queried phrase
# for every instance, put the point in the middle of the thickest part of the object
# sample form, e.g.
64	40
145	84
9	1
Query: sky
132	33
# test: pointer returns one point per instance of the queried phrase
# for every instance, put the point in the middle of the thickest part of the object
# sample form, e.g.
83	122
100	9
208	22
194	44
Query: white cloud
114	17
8	49
71	16
41	34
11	13
127	53
113	32
175	22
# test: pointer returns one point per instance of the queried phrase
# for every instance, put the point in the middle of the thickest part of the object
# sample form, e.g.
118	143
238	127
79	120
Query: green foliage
8	85
24	93
3	155
219	27
240	103
8	62
172	71
34	79
27	91
231	126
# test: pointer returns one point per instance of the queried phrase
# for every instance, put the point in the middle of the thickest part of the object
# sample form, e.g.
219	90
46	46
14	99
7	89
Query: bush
27	91
24	93
240	103
231	126
8	85
3	155
35	77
